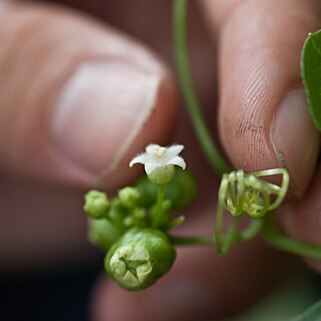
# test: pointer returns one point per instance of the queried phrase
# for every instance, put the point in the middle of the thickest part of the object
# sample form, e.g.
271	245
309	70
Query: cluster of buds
132	227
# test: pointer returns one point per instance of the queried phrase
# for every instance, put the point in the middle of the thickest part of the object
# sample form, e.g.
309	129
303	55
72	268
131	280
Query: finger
77	100
263	118
77	97
302	219
200	286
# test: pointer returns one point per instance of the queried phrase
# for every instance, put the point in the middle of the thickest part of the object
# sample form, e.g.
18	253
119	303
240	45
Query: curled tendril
247	193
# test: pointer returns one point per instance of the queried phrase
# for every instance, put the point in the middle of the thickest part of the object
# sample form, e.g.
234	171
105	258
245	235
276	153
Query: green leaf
313	313
311	74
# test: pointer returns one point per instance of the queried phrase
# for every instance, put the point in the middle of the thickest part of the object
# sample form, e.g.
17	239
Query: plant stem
195	240
208	240
223	243
230	236
254	227
213	155
157	215
282	242
218	229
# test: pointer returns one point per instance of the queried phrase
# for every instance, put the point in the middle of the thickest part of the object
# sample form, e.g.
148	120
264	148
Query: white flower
158	157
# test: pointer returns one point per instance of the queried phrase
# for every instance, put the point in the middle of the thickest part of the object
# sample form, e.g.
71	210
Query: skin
52	149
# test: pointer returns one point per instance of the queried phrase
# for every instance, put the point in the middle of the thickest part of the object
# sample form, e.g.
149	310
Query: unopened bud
96	204
129	196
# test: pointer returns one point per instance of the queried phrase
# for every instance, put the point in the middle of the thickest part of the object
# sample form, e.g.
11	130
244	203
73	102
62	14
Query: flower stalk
193	106
158	213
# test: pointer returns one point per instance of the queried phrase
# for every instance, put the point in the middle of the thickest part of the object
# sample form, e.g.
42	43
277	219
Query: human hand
66	158
268	112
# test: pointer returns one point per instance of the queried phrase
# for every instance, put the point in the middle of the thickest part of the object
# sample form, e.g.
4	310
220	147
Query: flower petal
174	150
179	161
150	167
139	159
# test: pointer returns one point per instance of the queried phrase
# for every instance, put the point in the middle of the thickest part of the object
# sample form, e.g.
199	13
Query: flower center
160	152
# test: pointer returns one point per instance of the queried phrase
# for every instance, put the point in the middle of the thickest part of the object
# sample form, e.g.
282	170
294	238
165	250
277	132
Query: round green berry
102	233
139	258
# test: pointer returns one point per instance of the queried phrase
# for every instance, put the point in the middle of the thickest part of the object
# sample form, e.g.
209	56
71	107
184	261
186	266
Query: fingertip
263	114
80	109
295	140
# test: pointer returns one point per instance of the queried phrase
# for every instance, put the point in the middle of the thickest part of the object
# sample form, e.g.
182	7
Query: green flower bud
117	212
129	221
137	218
139	258
139	214
96	204
129	197
102	233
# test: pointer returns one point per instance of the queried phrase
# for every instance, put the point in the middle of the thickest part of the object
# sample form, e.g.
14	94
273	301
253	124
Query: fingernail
295	140
100	111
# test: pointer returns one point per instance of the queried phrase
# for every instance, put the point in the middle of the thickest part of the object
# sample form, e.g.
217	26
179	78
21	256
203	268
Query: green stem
218	229
157	215
282	242
208	240
213	155
230	236
196	240
223	243
254	227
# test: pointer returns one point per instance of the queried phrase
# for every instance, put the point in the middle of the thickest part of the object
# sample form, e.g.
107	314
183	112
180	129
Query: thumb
77	98
264	119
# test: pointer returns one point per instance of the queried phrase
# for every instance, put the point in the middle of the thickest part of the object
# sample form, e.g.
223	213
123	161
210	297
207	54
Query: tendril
241	193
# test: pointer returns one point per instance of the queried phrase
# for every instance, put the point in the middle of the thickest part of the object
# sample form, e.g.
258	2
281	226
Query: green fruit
102	233
139	258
